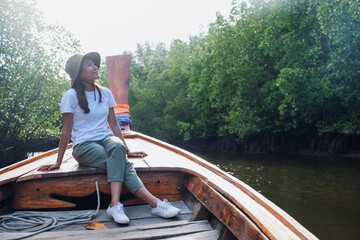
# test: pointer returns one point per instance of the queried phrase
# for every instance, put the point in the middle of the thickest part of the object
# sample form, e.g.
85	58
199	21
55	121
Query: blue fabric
123	119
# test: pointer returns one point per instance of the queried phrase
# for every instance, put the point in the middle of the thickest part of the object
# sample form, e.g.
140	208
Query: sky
111	27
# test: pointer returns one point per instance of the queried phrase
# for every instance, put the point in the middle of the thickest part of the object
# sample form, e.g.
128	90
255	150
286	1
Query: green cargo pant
109	154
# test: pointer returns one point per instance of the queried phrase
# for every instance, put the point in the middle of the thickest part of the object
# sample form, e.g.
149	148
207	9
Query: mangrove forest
274	76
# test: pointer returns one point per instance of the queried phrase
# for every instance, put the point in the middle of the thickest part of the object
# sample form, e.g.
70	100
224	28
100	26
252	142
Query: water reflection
322	193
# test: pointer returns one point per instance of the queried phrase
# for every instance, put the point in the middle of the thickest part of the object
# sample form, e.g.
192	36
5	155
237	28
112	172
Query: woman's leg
116	150
116	159
115	188
146	196
116	209
118	166
160	208
119	169
93	154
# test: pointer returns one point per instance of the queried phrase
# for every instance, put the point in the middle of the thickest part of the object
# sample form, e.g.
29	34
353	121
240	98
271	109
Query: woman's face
89	71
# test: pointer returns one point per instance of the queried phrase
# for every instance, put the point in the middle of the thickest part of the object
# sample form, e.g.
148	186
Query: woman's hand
49	167
136	154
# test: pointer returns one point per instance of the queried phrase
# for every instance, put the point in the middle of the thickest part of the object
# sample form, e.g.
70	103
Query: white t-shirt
93	125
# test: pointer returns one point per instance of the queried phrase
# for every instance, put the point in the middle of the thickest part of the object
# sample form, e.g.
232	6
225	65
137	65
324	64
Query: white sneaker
117	212
165	209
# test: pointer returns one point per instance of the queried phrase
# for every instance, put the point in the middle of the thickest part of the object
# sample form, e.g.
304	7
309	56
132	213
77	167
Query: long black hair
79	87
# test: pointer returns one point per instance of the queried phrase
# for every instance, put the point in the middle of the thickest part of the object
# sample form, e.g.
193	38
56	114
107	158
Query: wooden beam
118	75
200	212
37	194
234	219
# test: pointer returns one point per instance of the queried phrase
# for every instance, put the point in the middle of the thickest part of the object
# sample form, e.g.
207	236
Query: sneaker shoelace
165	204
119	209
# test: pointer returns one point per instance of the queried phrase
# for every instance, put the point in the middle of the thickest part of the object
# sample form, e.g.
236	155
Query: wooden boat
214	204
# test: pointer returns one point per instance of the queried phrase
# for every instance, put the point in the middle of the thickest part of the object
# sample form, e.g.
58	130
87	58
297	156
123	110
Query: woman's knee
114	144
90	154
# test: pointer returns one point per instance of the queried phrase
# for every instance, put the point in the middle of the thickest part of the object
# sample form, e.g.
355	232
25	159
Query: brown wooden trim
9	180
36	194
235	220
32	159
55	174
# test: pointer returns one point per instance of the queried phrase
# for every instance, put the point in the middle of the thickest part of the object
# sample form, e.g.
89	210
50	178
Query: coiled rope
36	222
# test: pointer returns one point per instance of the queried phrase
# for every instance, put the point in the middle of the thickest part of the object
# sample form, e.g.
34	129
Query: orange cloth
122	108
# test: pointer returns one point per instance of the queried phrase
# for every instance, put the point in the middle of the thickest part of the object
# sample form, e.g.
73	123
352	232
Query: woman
87	111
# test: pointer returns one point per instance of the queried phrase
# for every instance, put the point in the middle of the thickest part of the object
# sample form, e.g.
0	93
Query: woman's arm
64	140
114	126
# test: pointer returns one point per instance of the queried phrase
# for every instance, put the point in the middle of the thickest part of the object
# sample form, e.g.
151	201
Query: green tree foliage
339	22
31	80
273	66
148	92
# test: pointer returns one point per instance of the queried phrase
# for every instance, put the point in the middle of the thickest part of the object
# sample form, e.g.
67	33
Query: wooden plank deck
143	225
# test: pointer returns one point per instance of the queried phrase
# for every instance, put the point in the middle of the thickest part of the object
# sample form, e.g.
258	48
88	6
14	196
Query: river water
321	193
